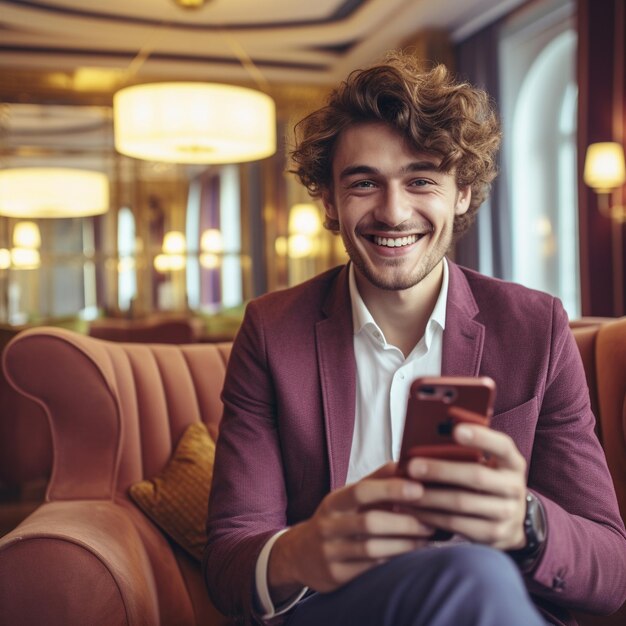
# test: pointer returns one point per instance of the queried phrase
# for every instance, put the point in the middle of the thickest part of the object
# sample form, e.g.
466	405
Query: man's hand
345	537
484	504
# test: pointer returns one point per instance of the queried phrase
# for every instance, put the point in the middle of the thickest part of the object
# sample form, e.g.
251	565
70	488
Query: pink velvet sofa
88	556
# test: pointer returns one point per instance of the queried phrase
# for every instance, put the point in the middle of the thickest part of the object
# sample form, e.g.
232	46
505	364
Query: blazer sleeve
583	565
248	500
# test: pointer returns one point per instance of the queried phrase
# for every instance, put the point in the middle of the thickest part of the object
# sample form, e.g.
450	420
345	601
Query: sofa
90	554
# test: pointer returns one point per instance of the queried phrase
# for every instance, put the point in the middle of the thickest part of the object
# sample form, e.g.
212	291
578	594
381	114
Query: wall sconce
211	247
5	258
25	258
173	256
26	235
604	172
26	241
304	227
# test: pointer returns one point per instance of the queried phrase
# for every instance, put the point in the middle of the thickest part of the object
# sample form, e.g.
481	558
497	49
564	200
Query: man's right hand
347	535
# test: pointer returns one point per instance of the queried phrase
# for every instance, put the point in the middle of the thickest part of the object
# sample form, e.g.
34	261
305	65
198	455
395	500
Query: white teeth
397	242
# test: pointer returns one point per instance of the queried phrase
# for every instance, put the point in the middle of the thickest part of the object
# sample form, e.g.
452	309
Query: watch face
535	521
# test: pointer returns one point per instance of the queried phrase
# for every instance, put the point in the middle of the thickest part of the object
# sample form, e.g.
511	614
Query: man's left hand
485	504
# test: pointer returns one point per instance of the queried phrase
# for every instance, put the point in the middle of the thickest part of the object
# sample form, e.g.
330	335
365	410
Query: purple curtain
476	61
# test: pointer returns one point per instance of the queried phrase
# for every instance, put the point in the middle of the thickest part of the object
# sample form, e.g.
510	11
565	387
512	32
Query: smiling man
300	530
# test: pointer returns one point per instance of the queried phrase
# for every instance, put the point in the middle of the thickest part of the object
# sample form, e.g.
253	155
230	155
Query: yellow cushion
177	498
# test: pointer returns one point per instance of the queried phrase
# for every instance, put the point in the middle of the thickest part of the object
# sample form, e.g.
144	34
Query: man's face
395	209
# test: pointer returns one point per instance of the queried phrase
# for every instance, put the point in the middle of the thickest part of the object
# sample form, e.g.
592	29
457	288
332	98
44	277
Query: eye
364	184
421	182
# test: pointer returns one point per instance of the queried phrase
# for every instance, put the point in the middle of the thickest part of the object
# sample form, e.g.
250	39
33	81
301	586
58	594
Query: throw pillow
177	498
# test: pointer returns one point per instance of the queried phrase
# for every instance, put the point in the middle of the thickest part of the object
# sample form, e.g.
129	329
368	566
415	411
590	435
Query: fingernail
418	468
464	433
414	491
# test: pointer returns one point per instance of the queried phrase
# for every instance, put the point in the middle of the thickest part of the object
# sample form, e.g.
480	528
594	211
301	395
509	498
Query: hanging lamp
194	123
36	192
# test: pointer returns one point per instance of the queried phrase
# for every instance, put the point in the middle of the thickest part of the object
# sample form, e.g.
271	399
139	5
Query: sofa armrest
75	384
76	563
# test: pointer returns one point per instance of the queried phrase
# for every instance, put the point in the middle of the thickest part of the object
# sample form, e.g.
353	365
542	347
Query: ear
329	205
463	200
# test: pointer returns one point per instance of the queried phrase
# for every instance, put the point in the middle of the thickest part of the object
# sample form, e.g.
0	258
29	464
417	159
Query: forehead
376	144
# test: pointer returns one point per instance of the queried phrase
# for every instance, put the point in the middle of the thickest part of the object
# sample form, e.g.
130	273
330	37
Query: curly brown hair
452	120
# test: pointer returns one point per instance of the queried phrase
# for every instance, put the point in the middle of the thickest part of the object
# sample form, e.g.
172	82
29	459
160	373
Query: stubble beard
397	280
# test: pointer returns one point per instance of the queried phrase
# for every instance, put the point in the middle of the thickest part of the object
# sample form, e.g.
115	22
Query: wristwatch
535	530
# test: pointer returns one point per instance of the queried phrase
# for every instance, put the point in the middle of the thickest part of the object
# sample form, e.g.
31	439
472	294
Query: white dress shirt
383	379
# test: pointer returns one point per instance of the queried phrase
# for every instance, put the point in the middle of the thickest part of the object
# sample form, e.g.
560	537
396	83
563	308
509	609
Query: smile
395	242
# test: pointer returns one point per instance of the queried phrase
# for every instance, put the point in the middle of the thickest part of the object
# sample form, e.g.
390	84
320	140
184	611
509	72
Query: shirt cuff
266	605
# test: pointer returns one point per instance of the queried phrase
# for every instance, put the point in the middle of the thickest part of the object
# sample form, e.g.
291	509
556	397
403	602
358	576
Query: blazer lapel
462	352
463	336
337	368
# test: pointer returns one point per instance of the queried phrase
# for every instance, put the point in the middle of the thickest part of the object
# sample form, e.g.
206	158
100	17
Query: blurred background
120	204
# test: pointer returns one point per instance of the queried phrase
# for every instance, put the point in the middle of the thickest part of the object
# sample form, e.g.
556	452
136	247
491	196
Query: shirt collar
361	317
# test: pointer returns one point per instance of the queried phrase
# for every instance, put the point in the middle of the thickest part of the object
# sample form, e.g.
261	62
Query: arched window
540	112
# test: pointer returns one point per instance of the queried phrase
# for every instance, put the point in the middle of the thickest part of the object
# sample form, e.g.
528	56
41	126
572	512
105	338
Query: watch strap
535	532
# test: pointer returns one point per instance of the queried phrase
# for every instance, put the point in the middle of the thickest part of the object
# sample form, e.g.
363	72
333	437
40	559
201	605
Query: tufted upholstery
116	412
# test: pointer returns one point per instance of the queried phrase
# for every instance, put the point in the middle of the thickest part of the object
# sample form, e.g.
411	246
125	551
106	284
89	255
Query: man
318	380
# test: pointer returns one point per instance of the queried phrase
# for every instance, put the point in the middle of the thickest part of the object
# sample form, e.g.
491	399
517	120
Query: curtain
601	117
486	247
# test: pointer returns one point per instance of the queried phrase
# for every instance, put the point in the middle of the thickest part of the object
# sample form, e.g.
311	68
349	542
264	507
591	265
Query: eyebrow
414	166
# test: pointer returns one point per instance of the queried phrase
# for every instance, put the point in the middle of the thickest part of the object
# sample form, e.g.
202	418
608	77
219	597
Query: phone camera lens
449	395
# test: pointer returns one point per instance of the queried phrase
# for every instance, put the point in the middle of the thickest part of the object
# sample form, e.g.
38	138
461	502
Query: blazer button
558	584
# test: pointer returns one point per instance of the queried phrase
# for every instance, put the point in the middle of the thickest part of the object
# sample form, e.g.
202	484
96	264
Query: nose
395	206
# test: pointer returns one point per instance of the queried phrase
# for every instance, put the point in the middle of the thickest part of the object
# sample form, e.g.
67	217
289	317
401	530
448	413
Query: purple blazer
286	433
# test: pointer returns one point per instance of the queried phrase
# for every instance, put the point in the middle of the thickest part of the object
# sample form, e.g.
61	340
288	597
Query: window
539	118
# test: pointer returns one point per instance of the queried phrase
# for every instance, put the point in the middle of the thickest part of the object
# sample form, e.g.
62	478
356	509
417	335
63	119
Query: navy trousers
456	585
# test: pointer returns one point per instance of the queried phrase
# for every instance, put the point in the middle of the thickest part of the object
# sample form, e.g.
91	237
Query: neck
402	315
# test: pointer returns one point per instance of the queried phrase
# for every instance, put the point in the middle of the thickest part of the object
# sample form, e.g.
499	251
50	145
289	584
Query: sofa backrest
116	411
139	398
611	381
154	329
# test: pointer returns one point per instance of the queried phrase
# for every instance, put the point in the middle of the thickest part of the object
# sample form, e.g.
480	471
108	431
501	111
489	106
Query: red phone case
435	406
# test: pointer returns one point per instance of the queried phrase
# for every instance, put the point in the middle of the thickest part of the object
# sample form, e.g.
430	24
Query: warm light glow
304	219
52	192
26	235
169	262
211	241
280	246
5	259
194	123
25	258
604	166
209	261
190	4
299	246
174	242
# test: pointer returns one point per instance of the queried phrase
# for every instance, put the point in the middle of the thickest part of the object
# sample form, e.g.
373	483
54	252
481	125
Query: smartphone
435	406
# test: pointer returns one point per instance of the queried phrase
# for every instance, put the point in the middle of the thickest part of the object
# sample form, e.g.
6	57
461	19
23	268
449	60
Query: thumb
385	471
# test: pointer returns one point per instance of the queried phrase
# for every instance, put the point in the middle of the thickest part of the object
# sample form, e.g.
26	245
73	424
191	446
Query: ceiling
288	41
81	51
